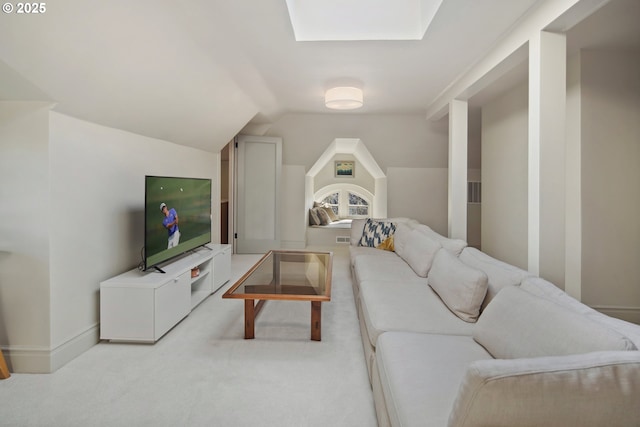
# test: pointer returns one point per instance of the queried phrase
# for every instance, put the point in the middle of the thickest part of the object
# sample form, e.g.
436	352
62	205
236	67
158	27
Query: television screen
177	217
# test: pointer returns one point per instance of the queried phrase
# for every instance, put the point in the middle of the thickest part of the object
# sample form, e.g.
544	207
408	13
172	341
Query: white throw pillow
461	288
519	324
419	252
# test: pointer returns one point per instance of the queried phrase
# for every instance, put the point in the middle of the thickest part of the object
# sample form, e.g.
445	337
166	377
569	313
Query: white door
258	170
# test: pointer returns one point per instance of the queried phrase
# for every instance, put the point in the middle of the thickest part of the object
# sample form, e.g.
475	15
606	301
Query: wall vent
474	192
343	239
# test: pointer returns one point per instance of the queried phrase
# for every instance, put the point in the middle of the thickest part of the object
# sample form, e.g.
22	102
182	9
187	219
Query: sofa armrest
591	389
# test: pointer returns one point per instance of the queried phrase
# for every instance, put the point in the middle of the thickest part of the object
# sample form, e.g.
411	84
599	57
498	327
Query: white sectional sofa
455	337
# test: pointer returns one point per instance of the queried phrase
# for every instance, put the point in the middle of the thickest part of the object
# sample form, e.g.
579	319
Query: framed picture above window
345	169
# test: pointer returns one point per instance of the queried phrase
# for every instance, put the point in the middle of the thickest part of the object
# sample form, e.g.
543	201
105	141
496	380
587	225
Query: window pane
358	206
332	200
358	210
354	199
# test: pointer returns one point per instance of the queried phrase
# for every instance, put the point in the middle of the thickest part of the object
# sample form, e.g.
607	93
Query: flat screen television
177	217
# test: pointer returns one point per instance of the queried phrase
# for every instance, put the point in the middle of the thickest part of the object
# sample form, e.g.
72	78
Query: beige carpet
203	373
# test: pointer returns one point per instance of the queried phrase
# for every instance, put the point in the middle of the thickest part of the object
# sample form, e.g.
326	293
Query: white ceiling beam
553	15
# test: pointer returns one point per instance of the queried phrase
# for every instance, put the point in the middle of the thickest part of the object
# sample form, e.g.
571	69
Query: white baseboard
630	314
41	360
74	347
28	360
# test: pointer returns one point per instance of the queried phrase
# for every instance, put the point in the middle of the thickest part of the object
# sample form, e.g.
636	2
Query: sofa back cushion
461	288
419	251
518	324
545	289
400	238
500	273
587	390
454	246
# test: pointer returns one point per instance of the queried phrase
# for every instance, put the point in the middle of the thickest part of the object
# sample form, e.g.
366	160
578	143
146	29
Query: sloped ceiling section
197	72
131	65
14	87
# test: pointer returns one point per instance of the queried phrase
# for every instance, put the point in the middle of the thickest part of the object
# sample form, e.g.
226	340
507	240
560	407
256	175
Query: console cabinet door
126	313
222	268
172	303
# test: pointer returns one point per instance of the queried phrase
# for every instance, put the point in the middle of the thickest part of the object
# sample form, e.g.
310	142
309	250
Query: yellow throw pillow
386	245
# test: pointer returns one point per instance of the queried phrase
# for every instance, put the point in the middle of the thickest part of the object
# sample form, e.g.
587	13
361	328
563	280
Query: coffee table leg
249	319
316	320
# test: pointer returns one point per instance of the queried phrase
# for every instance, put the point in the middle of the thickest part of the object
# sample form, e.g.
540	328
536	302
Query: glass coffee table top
285	275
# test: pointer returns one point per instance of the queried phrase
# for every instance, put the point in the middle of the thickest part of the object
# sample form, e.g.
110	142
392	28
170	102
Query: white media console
144	305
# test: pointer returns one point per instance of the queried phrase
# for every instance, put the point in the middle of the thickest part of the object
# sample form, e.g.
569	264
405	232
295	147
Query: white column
458	124
573	249
380	198
547	111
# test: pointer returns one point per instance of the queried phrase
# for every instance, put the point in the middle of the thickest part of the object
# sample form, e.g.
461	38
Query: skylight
333	20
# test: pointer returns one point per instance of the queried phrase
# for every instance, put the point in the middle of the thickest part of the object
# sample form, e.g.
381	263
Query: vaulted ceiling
196	72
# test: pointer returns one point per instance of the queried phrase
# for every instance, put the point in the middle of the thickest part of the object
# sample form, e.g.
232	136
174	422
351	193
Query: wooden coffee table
285	275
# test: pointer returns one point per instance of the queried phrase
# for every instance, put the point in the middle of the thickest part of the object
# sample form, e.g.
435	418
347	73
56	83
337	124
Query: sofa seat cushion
357	251
587	390
420	375
518	324
373	267
409	306
500	274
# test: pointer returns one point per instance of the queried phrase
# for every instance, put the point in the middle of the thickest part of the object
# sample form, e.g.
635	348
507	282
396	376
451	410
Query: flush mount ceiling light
332	20
343	98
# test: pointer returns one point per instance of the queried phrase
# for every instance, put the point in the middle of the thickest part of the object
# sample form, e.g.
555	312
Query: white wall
409	149
293	202
393	140
504	177
419	193
91	206
24	230
610	133
326	176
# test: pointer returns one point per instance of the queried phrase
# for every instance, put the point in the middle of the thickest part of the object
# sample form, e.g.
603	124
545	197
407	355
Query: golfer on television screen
170	222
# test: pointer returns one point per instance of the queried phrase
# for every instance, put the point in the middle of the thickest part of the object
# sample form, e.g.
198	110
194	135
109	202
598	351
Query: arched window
346	200
333	200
